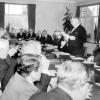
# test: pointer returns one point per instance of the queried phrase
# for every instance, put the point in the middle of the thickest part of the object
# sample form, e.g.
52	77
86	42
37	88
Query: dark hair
27	69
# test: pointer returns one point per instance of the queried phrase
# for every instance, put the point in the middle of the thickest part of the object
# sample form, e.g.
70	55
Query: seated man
38	36
72	83
31	34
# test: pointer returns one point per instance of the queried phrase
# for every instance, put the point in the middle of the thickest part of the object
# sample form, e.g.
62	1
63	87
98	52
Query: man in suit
44	36
72	83
38	36
49	39
21	35
30	34
76	38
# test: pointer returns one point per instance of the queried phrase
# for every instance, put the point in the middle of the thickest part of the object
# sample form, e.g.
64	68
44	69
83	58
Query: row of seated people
42	37
27	35
22	34
73	78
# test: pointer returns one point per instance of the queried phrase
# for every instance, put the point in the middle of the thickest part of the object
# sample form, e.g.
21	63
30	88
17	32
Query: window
89	18
16	16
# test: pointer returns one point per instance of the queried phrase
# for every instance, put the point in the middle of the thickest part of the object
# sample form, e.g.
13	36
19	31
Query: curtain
78	12
2	12
98	33
31	15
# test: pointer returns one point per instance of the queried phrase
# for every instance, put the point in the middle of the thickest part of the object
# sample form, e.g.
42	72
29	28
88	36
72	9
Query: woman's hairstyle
29	63
73	73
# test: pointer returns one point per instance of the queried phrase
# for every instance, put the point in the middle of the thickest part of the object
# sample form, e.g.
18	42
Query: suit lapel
73	30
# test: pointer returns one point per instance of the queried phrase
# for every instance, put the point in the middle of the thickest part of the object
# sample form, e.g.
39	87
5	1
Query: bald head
75	21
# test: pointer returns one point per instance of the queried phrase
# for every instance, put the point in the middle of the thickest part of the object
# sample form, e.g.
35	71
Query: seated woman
20	86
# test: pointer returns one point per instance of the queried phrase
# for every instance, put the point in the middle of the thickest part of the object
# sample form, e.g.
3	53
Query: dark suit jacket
21	36
43	40
54	41
75	47
11	64
56	94
3	68
38	38
18	35
49	39
29	36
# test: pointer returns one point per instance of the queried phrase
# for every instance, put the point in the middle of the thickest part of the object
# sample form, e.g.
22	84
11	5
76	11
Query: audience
72	83
27	77
20	86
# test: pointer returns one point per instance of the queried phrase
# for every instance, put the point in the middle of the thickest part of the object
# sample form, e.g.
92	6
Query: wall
49	15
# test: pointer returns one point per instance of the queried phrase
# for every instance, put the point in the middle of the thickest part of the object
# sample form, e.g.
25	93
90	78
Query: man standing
76	38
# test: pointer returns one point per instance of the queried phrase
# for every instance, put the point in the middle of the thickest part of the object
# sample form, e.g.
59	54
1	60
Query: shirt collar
74	28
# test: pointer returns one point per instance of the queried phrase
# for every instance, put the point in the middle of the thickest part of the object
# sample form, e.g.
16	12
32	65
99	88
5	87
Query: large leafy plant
67	26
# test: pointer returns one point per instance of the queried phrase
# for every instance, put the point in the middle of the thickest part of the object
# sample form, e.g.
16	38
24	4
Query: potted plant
67	26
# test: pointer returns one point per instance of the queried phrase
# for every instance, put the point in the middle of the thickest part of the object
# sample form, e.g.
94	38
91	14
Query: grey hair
73	73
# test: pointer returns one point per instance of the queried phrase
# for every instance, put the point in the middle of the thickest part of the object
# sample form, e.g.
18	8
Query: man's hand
90	59
63	44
